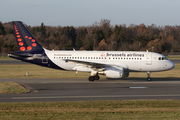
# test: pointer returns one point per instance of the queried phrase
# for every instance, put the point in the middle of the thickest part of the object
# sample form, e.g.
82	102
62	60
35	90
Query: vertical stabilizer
25	40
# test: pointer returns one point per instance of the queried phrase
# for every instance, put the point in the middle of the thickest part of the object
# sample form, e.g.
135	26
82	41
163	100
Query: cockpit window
162	58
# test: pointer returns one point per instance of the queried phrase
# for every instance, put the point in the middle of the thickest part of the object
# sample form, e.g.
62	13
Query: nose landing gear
148	77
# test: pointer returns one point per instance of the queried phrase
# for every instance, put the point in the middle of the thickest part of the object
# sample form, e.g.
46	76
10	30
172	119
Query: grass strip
92	110
11	87
173	57
6	58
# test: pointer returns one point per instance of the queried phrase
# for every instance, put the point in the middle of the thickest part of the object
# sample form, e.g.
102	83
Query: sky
86	12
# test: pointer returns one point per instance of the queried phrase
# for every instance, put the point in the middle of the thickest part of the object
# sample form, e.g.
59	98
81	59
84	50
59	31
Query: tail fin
25	40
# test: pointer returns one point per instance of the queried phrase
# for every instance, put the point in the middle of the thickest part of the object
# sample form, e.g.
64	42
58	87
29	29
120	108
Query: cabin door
148	59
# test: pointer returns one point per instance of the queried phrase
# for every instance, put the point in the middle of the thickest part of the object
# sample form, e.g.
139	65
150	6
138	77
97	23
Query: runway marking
104	96
137	87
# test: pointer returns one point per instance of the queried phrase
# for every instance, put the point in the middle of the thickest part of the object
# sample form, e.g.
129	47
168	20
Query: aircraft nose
172	65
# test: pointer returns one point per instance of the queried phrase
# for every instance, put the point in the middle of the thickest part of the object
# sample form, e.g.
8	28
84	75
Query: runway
83	90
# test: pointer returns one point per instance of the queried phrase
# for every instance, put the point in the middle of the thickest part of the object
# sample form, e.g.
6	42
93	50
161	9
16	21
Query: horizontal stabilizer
20	54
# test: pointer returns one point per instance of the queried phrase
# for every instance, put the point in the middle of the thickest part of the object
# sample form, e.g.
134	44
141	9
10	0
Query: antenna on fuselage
147	50
74	49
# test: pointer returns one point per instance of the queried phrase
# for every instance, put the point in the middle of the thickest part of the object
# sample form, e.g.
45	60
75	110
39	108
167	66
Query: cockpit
163	58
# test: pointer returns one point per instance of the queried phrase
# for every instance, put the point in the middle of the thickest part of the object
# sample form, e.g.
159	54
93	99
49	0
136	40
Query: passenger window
159	58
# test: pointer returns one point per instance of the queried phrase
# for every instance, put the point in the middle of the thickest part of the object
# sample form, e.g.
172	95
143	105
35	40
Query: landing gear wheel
91	78
149	79
96	77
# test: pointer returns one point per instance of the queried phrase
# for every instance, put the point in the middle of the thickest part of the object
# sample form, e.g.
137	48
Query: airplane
112	64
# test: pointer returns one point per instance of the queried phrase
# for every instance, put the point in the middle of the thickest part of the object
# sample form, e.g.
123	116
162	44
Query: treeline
99	36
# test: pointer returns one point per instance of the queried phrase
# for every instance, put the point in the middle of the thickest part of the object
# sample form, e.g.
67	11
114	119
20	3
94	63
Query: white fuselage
130	61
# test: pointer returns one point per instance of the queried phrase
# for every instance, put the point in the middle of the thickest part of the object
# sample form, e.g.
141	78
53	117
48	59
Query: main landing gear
92	78
148	76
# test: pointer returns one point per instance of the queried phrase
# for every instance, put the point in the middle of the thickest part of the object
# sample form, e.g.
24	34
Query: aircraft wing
89	64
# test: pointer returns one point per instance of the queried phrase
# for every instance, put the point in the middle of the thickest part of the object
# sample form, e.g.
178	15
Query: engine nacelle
112	72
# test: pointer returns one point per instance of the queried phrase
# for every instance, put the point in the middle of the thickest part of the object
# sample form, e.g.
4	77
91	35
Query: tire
96	77
149	79
91	78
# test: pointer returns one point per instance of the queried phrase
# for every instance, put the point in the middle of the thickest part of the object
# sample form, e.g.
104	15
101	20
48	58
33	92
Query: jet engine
114	72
